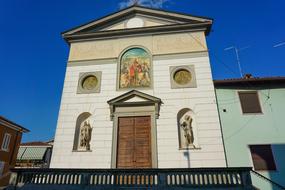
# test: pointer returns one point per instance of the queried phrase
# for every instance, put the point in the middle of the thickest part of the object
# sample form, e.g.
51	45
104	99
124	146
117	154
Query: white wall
201	100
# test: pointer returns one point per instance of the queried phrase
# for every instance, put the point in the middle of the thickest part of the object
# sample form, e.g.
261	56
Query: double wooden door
134	142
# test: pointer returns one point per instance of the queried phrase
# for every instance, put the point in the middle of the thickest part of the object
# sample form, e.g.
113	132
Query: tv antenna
135	2
237	51
279	44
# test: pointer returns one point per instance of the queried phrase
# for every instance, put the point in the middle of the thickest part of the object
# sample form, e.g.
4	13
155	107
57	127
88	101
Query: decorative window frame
82	76
119	69
238	92
126	22
6	142
190	68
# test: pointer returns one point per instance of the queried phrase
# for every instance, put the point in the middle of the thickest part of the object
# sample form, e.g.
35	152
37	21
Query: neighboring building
34	155
138	93
10	138
253	125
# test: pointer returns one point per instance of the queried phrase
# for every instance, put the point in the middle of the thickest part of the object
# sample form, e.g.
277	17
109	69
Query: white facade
201	100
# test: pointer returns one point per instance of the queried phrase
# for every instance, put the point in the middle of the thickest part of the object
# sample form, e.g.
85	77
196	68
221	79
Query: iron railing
236	178
273	183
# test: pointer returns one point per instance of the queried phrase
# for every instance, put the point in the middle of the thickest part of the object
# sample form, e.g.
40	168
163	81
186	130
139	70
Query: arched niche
135	68
187	129
83	132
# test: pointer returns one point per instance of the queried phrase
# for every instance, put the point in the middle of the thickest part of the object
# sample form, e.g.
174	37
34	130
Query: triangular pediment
137	17
136	99
134	96
137	21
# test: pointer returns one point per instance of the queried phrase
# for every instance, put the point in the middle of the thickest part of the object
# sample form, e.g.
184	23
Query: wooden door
134	142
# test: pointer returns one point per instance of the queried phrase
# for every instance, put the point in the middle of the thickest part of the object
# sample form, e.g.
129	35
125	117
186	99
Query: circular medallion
182	76
135	23
90	82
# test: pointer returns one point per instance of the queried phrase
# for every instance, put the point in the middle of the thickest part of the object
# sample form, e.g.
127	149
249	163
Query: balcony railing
234	178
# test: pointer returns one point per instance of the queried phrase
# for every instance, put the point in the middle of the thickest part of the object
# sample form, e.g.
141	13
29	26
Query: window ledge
191	148
245	114
81	150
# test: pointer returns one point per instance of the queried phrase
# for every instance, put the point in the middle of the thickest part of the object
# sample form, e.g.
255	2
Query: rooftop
249	79
35	143
8	123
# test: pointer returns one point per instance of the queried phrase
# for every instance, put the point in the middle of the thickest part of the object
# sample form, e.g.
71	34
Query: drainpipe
227	165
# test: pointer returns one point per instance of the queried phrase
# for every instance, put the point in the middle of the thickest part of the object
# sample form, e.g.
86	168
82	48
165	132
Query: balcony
73	179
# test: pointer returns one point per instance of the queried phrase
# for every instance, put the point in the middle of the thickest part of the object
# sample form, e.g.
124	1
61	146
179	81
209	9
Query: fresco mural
135	69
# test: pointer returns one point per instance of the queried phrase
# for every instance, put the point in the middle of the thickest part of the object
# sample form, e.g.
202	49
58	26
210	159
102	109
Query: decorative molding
127	22
120	101
81	150
191	148
133	11
119	68
83	76
181	55
155	57
91	62
153	135
135	32
190	68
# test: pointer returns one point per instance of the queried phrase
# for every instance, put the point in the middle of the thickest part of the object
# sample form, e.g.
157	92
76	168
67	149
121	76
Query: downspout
227	165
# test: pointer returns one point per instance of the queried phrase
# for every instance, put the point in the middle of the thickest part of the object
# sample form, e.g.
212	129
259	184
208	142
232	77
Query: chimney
247	76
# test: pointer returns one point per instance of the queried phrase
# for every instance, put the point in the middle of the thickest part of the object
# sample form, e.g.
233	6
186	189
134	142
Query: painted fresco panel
135	69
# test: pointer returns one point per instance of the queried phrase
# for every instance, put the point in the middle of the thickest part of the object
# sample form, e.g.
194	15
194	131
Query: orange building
10	138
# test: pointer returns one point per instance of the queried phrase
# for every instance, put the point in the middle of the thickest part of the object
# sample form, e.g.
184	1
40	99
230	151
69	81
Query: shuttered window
249	102
262	157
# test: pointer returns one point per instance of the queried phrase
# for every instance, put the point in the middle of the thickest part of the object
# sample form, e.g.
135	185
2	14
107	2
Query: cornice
177	28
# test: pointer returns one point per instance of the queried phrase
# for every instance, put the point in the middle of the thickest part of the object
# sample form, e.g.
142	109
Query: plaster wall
156	44
201	100
148	22
241	130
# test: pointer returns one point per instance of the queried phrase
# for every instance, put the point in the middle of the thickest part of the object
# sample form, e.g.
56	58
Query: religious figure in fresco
135	69
85	135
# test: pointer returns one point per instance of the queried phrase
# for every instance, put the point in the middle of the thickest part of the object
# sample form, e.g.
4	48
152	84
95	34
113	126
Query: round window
182	76
89	82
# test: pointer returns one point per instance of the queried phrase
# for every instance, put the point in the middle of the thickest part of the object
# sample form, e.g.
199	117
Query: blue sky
33	55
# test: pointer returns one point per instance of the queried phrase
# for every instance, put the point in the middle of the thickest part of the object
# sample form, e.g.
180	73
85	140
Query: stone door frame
126	106
134	112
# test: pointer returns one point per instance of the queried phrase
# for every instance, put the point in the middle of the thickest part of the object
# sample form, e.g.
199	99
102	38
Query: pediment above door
134	98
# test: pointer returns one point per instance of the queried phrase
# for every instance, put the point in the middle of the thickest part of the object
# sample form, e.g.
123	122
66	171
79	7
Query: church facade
139	93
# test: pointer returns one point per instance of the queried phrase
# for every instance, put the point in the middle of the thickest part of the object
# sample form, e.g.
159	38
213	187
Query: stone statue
85	135
186	125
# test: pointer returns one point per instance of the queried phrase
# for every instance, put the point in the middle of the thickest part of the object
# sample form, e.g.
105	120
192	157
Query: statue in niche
85	135
186	125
